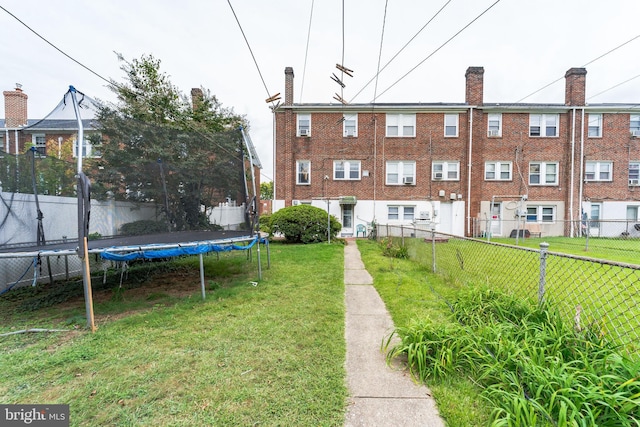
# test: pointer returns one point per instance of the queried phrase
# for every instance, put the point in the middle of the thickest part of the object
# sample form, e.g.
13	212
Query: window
446	171
634	124
450	125
598	171
634	173
40	143
632	213
541	213
406	213
346	169
543	124
497	171
303	174
494	123
595	125
304	125
92	146
401	125
350	125
401	172
541	173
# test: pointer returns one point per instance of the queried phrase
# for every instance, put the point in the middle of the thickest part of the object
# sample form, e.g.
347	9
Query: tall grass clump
533	368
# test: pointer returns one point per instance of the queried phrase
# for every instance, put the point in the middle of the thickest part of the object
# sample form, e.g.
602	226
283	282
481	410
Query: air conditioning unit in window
304	132
437	175
635	133
634	182
493	132
295	202
350	132
407	180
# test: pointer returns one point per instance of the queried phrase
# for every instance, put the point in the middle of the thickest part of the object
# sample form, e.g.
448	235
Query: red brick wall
15	108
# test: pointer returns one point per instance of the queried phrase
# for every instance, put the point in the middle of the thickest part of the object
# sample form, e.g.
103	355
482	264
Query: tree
266	190
160	147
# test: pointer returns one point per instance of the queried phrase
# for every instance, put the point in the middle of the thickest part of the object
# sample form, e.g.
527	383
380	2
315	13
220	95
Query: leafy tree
266	190
303	224
159	146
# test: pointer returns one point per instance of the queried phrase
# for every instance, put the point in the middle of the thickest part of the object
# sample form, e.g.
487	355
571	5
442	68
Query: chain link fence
598	294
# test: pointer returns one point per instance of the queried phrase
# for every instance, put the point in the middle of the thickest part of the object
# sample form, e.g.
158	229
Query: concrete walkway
379	395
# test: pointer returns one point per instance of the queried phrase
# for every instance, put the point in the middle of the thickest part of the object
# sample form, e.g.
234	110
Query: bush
143	226
265	223
391	250
303	224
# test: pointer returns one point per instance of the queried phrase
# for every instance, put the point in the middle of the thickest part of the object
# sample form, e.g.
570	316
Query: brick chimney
196	98
575	86
15	107
288	86
475	85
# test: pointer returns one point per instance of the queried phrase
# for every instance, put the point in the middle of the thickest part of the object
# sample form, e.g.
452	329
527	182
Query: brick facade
560	143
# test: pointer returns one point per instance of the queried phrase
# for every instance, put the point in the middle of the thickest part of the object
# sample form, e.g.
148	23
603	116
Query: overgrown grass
533	368
271	354
411	292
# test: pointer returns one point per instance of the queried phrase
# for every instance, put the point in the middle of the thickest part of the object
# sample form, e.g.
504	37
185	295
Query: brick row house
464	168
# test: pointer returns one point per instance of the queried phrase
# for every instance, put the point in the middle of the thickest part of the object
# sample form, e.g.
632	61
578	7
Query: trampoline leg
202	276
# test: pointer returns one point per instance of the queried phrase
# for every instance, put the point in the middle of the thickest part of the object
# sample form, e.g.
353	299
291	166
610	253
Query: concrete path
379	395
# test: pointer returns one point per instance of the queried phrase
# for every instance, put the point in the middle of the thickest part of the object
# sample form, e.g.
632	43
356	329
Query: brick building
465	168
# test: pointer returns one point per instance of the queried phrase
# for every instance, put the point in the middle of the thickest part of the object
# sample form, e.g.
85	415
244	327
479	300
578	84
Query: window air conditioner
634	182
407	180
437	175
636	133
493	132
350	132
304	132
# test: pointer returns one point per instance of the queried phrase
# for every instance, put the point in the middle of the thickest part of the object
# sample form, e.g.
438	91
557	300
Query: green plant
304	224
143	226
265	223
392	250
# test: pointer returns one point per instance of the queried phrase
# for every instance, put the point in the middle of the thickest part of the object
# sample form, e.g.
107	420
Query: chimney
475	86
575	86
288	86
15	107
196	98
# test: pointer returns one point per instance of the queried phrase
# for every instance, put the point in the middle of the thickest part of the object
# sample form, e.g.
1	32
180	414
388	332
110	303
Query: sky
421	47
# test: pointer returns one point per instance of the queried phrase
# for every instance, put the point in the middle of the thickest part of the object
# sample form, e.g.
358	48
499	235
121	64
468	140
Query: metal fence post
402	233
433	248
543	271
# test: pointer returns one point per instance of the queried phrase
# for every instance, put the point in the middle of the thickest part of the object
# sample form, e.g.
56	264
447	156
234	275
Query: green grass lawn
271	354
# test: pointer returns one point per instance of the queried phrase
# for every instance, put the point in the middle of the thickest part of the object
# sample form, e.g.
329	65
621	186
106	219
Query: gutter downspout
16	141
572	179
469	169
6	131
580	192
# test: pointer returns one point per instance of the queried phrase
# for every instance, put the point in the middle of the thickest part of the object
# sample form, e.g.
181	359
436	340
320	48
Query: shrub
265	223
391	250
303	224
143	226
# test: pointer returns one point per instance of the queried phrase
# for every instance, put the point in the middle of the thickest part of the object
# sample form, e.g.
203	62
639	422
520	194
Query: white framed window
303	172
634	173
543	173
634	124
497	171
598	171
401	125
401	172
595	125
92	147
451	125
445	171
543	125
303	125
40	142
346	170
404	213
541	213
633	213
494	124
350	124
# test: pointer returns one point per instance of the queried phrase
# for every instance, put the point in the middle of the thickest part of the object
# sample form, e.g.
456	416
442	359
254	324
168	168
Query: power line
615	86
440	47
250	50
588	63
401	49
306	52
384	22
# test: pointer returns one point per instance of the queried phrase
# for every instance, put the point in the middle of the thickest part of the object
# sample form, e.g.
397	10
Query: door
347	220
496	219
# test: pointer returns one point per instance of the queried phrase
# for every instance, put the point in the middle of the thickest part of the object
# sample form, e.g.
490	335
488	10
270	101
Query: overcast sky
523	45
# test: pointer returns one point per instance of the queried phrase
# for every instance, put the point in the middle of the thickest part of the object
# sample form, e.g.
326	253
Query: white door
347	220
496	219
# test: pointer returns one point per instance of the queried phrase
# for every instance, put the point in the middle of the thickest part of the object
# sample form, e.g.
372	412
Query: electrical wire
306	52
615	86
440	47
384	23
588	63
398	52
